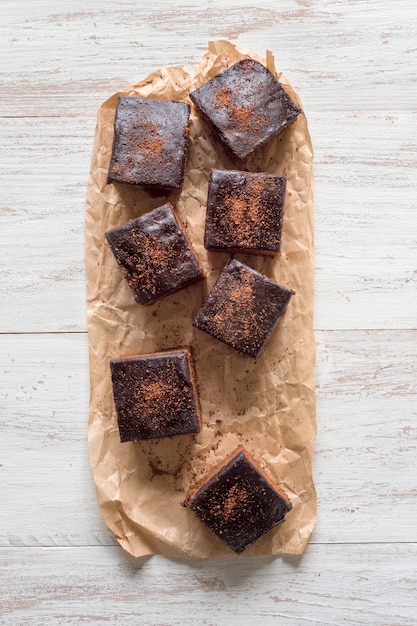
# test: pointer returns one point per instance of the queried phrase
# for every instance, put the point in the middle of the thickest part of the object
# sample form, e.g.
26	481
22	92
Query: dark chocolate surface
243	308
154	255
155	395
150	142
246	106
244	212
239	504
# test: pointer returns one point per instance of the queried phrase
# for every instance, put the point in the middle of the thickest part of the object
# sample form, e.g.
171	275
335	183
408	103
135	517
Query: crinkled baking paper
267	405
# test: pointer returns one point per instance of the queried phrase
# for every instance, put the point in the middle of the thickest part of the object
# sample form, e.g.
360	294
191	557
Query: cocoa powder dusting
223	97
157	400
144	141
239	305
149	141
245	211
244	117
235	501
247	214
151	260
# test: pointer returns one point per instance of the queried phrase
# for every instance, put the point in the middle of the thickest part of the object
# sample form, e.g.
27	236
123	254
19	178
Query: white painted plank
364	462
367	436
46	489
330	584
365	221
43	182
354	64
339	54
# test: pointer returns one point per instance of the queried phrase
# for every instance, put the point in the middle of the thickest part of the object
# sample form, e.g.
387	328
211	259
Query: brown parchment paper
267	405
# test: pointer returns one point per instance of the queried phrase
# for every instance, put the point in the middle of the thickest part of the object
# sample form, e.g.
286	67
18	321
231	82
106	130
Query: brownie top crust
239	504
150	142
246	105
242	308
155	395
244	212
154	255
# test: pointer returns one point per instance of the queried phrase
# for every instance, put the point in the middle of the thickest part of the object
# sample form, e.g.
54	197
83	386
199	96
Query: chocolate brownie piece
246	106
154	255
238	503
244	212
150	142
243	308
155	395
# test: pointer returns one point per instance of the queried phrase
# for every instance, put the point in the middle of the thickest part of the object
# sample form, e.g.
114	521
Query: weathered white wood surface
330	584
364	461
64	58
354	65
365	208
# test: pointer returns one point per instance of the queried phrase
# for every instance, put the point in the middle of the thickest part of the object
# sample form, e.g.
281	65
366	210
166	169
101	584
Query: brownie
244	212
238	503
154	255
243	308
155	395
150	142
246	106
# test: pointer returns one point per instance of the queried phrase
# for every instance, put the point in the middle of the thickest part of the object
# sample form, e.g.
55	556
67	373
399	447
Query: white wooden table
354	65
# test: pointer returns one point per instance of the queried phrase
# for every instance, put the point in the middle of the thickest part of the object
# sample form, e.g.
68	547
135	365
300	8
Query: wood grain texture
337	53
46	489
364	459
359	584
354	63
365	208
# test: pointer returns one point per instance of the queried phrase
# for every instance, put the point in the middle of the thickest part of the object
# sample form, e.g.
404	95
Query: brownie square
244	212
246	106
243	308
238	503
150	142
154	255
155	395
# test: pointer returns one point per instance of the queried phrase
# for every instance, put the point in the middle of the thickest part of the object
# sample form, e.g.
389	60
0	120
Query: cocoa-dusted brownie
242	308
154	255
246	106
150	142
155	395
244	212
238	503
